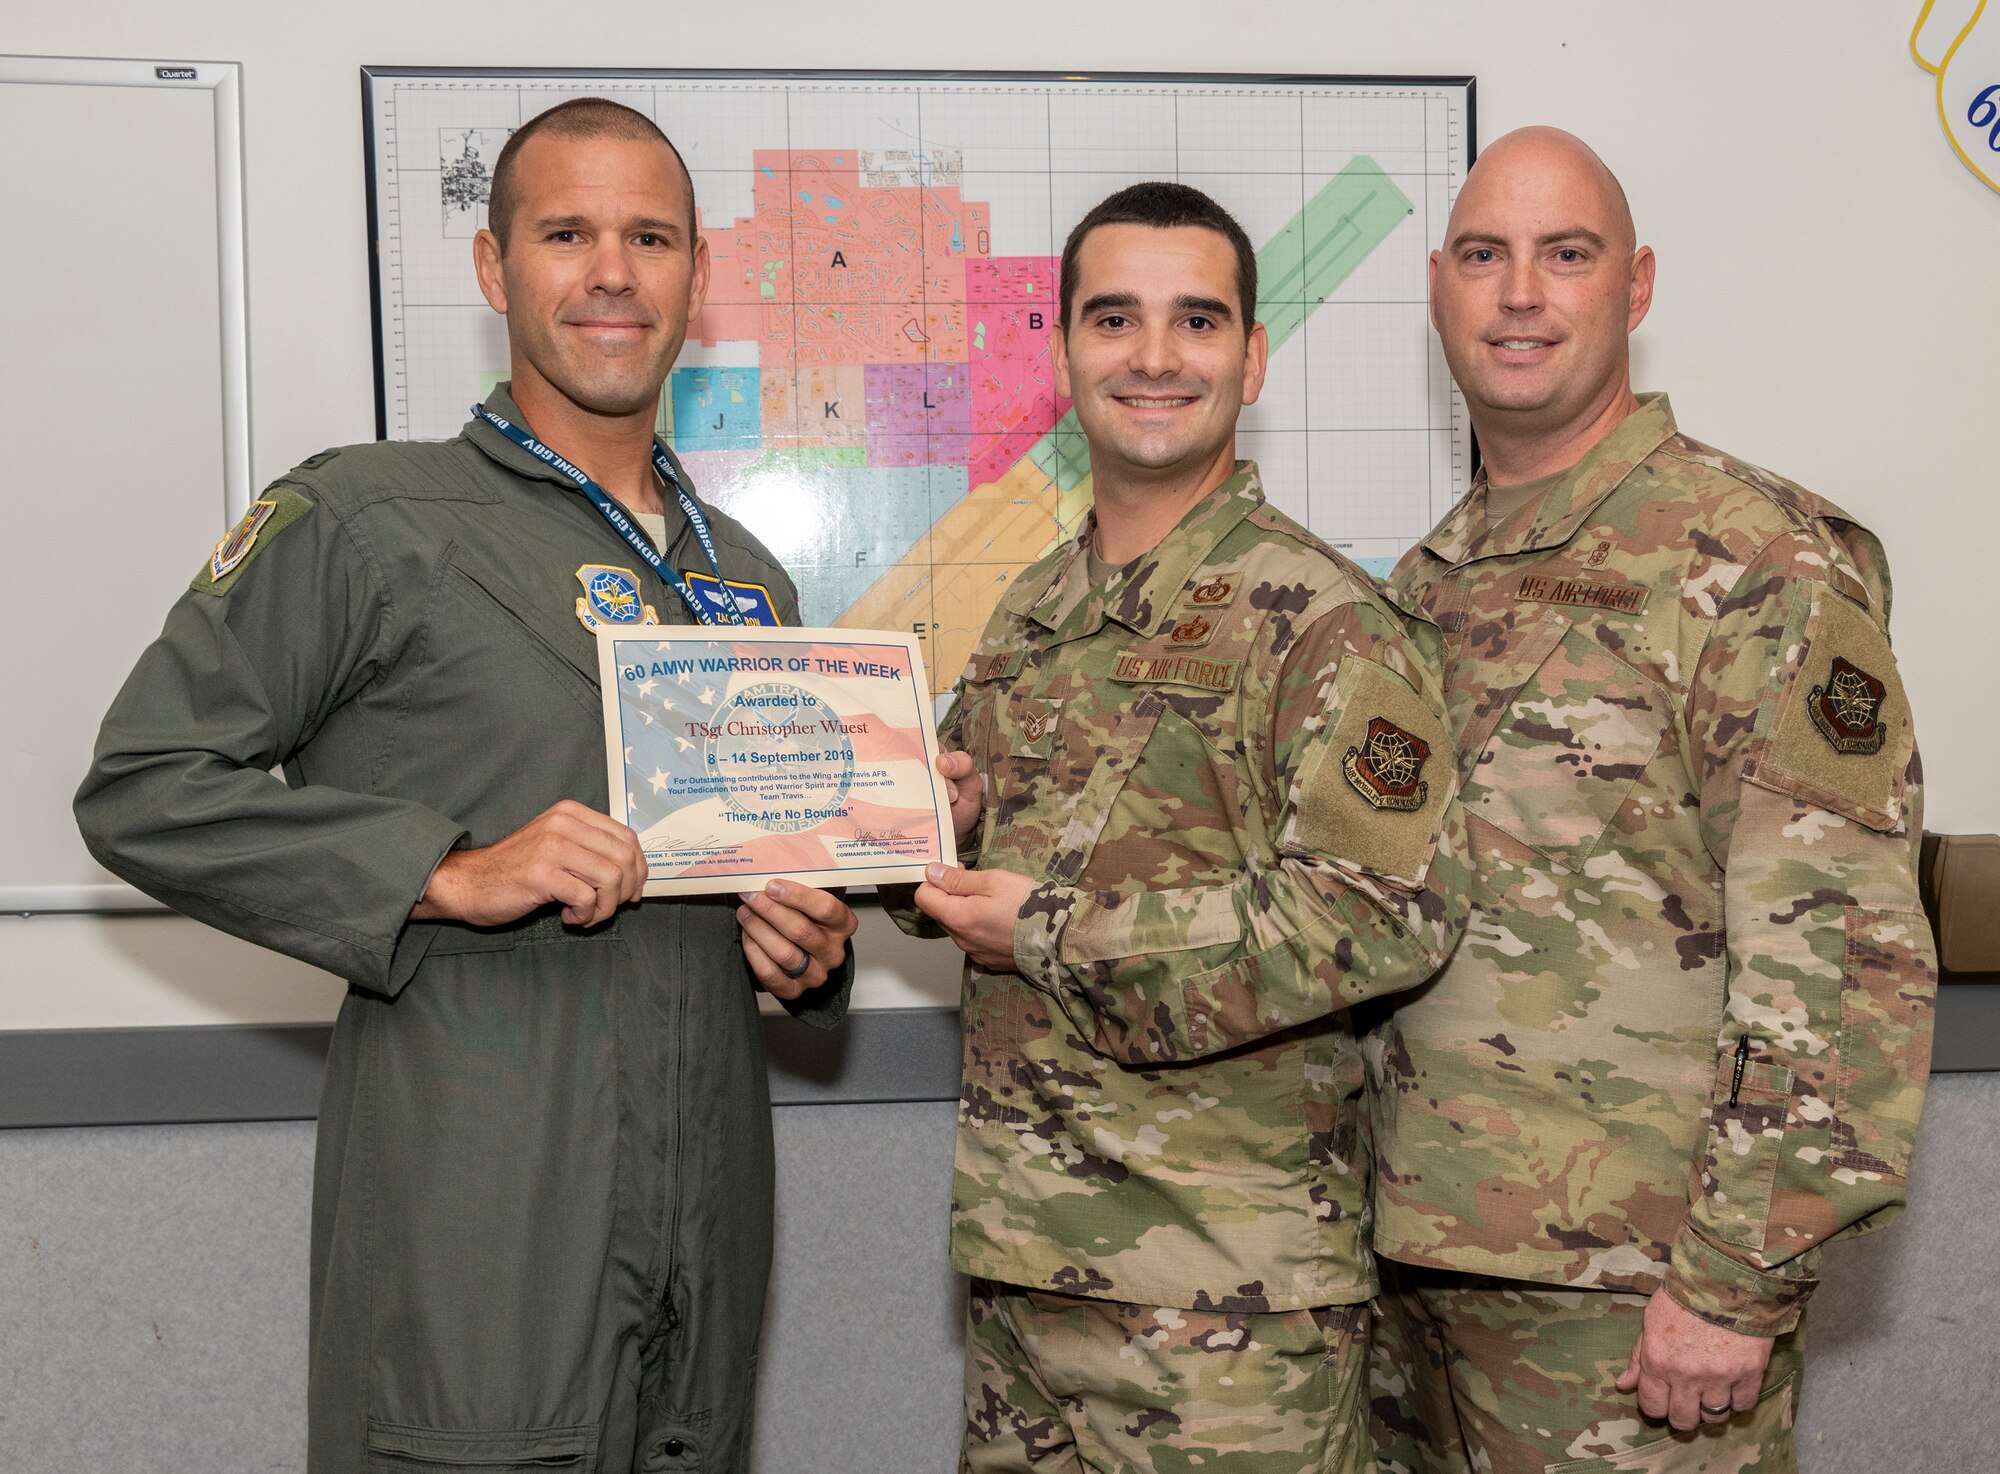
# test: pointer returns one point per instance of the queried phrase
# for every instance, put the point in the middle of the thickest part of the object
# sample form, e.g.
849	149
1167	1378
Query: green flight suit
542	1195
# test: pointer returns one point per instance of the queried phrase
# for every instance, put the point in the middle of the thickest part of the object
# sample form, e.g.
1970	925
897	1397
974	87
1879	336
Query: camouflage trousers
1484	1376
1064	1383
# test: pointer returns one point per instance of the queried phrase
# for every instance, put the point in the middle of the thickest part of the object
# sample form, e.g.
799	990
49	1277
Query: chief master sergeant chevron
542	1194
1217	810
1685	1040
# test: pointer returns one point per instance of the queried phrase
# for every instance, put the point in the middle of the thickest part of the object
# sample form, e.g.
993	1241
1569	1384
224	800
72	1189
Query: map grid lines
942	464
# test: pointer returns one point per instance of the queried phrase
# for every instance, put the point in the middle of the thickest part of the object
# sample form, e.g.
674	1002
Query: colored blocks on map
991	455
858	333
1063	454
717	408
1012	367
819	405
916	412
1012	279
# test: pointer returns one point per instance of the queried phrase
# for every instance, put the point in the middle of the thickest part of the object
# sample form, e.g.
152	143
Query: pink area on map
1012	305
916	411
880	320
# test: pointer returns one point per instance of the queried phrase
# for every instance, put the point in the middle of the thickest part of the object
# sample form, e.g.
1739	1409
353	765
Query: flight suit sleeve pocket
1372	791
1841	738
398	1449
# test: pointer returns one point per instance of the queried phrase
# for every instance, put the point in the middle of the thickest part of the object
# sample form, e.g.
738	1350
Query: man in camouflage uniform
1214	814
1684	1042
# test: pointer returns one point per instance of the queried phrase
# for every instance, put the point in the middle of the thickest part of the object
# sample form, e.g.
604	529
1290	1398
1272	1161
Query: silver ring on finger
1716	1412
805	961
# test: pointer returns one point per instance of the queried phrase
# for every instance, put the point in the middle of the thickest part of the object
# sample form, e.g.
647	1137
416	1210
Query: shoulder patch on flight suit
274	511
1373	790
1841	738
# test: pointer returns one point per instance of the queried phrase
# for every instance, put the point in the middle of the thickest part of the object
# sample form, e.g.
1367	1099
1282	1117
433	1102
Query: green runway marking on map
1302	265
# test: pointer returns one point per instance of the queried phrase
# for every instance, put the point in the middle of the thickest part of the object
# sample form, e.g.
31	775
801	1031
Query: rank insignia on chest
1387	769
1848	709
752	600
1035	725
611	597
235	547
1213	591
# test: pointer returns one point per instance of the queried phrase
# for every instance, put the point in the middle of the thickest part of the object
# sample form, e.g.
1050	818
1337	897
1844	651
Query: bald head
1550	170
1534	294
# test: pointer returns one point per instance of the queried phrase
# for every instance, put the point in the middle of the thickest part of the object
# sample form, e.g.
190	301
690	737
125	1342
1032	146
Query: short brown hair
580	117
1163	204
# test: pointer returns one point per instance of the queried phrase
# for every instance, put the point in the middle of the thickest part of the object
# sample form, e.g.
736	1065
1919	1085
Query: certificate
743	752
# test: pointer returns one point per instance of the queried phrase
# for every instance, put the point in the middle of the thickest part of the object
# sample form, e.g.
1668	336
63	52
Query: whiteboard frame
223	81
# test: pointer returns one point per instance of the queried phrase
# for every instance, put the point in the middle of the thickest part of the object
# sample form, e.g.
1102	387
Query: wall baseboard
250	1072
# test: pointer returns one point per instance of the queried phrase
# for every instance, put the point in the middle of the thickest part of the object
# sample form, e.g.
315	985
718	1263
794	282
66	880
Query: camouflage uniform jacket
1685	1040
1229	766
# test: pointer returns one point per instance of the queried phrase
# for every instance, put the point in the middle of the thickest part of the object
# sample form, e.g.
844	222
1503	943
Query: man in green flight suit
1684	1042
542	1196
1202	788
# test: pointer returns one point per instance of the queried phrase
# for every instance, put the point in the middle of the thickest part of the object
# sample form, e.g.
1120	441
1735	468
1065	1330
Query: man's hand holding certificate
745	753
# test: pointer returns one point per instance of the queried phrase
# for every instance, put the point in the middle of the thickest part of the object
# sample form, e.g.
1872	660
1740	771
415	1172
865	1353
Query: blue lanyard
615	515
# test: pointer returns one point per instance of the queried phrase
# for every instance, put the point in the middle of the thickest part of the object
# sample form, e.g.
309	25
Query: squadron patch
1848	709
611	597
1387	768
253	535
236	544
752	600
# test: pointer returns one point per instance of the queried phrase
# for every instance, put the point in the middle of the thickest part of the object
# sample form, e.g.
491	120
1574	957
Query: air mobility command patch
1846	709
1841	736
1368	791
1387	769
269	515
611	597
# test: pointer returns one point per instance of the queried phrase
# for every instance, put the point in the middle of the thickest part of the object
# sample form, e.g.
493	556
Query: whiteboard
124	410
869	386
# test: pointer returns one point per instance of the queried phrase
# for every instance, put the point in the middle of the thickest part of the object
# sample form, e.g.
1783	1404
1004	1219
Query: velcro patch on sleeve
1842	736
269	515
1374	787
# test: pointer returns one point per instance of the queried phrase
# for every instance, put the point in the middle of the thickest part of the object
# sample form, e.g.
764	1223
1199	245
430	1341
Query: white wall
1827	302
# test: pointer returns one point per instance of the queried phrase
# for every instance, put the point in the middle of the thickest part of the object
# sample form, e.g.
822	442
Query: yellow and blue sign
1958	42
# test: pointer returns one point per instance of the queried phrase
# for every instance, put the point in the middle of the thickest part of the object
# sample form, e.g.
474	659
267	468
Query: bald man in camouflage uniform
1216	812
1684	1043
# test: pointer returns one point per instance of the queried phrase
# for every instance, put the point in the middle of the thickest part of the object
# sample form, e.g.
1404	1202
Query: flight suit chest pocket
478	624
1564	753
